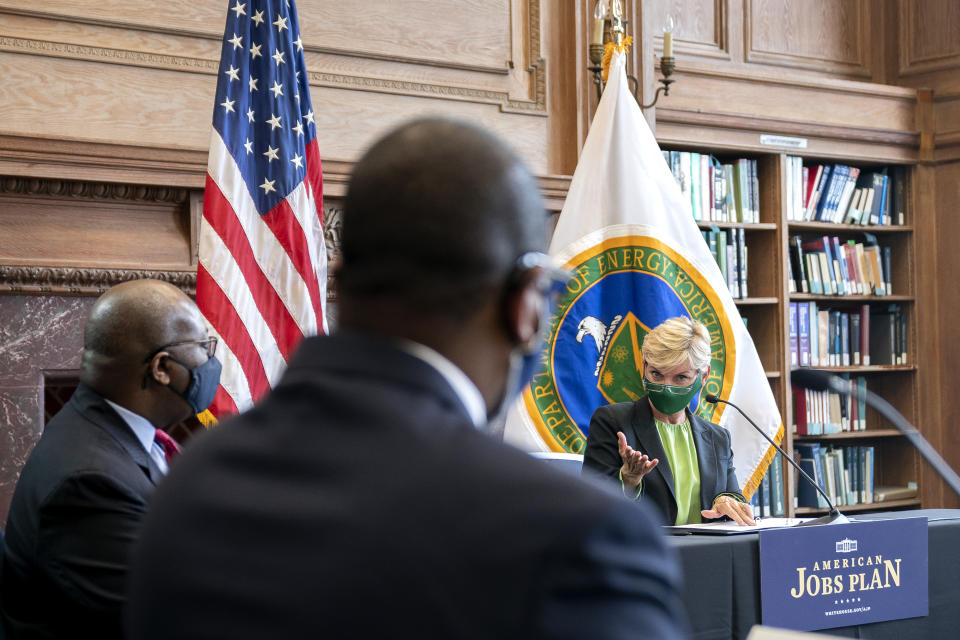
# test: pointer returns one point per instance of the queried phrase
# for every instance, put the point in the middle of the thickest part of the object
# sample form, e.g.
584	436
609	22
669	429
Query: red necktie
170	447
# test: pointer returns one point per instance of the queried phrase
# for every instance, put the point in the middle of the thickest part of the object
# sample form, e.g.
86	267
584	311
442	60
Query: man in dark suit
361	497
82	494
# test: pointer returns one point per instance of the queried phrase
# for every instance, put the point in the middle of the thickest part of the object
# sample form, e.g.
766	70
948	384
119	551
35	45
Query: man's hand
635	464
739	512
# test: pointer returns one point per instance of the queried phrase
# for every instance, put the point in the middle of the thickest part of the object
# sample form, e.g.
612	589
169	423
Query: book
807	495
884	327
823	325
742	262
887	285
814	339
898	175
799	266
810	201
855	338
778	505
886	494
800	411
794	346
803	332
865	334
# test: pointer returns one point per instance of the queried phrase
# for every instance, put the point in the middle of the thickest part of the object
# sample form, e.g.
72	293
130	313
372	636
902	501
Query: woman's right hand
635	464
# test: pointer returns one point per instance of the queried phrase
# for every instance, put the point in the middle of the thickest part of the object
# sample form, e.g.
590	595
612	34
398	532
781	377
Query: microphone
834	517
817	380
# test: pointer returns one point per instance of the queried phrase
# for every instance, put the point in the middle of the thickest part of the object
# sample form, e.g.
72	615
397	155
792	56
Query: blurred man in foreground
361	498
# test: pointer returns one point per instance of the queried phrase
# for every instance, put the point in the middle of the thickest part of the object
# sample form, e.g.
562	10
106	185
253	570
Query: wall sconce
609	27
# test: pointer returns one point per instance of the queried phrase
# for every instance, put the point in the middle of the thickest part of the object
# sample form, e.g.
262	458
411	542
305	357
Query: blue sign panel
843	574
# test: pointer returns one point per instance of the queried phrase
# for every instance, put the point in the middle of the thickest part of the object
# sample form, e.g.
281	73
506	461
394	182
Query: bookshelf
768	238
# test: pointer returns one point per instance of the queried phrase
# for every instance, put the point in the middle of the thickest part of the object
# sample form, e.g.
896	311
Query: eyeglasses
671	389
208	344
554	281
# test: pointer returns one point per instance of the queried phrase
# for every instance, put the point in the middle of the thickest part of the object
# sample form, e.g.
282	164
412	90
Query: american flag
261	281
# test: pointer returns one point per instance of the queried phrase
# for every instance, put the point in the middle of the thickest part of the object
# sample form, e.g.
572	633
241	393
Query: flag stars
257	17
299	44
248	146
277	89
278	57
271	154
227	104
274	122
297	161
239	9
255	51
298	128
267	186
280	24
236	41
309	117
296	96
249	115
232	73
253	84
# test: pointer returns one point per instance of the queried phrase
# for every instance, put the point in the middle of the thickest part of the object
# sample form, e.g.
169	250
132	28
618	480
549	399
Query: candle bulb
599	16
668	38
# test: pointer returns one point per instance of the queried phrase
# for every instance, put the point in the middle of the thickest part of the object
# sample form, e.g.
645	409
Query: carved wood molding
911	63
859	68
700	118
536	104
82	281
92	190
718	48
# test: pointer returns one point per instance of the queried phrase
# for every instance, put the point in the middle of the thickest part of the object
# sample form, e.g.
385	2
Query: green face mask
669	399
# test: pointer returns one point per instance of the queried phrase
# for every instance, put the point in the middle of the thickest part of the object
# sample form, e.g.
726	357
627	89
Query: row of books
830	266
845	195
825	412
768	500
717	192
729	249
845	473
861	336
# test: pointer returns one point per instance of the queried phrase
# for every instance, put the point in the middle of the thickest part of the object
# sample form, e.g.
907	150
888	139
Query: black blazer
75	513
358	501
635	420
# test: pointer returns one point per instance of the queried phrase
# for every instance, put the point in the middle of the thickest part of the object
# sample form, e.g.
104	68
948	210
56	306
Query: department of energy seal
621	289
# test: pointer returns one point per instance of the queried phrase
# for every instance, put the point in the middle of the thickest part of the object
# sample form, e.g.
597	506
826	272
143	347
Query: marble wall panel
39	336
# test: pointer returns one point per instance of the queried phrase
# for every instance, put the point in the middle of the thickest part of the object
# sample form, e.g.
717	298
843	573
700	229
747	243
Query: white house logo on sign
846	545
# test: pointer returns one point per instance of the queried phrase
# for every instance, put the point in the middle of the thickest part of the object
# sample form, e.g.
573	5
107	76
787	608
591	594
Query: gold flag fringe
608	50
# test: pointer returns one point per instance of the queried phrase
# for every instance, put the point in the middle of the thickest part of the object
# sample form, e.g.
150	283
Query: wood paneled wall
142	75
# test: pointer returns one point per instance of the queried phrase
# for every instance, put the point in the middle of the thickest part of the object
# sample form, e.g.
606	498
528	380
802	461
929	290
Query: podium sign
843	574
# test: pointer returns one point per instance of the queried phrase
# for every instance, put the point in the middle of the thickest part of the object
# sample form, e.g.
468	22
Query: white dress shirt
145	432
462	385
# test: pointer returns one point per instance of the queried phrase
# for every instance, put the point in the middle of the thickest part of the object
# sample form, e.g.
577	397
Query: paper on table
730	528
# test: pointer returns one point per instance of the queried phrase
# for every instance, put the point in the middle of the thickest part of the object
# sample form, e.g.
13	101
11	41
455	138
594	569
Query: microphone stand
834	517
819	380
915	438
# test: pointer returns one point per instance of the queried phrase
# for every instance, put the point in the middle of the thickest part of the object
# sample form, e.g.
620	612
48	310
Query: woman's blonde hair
675	341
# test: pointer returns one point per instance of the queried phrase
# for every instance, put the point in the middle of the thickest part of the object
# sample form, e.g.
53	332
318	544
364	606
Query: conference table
722	583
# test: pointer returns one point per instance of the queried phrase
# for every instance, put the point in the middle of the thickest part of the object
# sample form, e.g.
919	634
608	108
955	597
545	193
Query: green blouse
677	441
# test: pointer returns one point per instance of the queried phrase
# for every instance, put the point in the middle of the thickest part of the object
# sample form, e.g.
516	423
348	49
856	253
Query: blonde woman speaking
658	449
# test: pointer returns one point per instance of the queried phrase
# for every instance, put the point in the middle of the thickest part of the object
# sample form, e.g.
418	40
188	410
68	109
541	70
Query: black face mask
204	380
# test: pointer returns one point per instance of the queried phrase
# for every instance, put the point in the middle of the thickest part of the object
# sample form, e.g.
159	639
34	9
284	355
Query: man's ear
523	308
158	368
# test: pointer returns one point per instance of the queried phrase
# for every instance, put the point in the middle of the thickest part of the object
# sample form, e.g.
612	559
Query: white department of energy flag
638	258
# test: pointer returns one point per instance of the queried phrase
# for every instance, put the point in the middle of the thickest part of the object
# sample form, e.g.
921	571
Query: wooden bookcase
768	307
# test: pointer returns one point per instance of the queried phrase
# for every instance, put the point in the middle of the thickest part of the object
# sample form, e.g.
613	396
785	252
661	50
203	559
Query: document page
728	527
